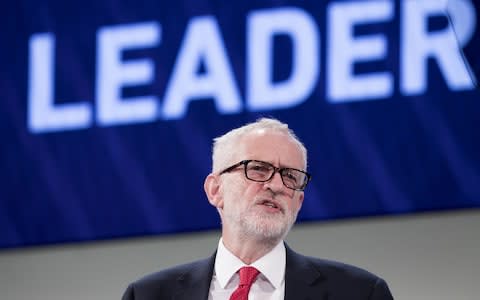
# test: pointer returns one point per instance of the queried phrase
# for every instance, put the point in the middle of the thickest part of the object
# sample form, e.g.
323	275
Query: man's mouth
271	204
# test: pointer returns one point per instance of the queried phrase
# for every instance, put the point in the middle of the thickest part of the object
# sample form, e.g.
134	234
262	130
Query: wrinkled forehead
275	147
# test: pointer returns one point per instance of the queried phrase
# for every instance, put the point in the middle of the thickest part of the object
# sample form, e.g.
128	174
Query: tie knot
247	275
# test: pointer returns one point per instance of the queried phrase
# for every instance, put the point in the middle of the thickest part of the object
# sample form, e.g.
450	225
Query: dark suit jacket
305	278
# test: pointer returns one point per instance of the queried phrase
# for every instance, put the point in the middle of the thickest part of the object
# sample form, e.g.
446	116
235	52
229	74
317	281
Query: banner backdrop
108	108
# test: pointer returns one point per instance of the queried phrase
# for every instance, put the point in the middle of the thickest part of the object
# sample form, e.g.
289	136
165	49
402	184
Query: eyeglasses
261	171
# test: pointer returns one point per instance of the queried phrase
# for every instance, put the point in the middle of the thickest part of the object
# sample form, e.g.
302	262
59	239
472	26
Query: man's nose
275	183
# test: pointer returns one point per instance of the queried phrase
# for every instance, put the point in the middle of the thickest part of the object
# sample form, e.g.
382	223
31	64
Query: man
257	185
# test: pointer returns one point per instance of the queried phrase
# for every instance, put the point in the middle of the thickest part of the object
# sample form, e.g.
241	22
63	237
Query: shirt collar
271	265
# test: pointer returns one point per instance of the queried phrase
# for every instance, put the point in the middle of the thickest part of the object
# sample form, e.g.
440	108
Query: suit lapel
302	279
195	283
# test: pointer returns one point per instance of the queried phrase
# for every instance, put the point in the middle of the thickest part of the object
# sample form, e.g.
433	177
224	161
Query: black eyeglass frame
275	170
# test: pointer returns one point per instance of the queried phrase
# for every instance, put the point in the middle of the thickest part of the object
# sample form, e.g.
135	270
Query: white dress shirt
269	285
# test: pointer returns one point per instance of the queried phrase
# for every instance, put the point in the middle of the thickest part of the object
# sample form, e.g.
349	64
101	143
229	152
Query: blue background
385	157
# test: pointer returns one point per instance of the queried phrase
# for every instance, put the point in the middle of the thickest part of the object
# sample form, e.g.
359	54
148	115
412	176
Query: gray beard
269	229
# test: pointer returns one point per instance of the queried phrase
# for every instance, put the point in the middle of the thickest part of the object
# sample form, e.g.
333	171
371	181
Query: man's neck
249	250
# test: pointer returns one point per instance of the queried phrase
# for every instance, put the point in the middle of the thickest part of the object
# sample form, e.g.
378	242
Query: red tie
247	277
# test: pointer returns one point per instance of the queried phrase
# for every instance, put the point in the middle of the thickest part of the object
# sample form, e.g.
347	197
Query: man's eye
259	168
290	176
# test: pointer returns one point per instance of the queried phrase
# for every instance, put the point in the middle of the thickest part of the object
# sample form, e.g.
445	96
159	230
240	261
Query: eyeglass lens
263	171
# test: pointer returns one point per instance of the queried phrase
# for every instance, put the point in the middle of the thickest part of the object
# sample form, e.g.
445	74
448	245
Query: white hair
224	146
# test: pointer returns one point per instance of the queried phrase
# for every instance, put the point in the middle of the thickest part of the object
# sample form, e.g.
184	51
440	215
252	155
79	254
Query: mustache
270	198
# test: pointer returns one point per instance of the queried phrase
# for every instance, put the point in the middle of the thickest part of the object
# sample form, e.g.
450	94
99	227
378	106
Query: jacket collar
301	279
195	282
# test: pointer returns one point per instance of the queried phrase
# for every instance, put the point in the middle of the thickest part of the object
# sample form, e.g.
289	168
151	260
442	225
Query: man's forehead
262	136
265	144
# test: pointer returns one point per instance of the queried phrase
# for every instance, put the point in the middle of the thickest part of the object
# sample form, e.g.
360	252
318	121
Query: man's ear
212	187
300	200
